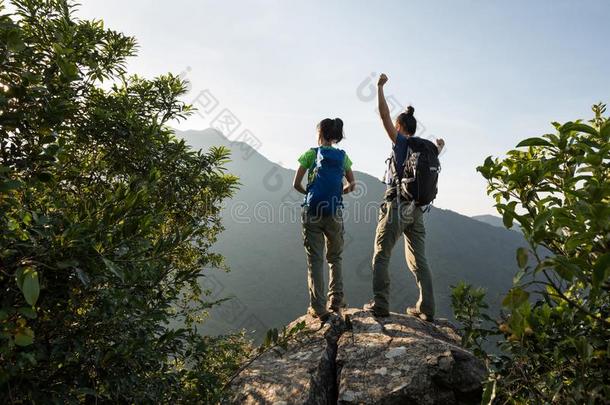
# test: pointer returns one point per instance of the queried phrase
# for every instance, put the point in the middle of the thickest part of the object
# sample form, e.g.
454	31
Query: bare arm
384	110
298	180
351	183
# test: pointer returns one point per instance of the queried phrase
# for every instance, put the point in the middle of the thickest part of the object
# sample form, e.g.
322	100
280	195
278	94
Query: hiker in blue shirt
322	220
412	185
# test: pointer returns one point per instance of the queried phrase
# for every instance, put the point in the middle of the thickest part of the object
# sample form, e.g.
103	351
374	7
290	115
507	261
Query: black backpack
419	180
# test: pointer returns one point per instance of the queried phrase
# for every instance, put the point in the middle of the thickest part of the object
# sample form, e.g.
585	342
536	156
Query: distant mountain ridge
262	244
490	219
495	221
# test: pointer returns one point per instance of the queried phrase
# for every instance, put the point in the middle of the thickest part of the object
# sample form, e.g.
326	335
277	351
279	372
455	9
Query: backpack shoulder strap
392	166
343	156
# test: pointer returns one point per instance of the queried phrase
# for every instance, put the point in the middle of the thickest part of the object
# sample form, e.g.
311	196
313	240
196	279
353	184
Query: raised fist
440	144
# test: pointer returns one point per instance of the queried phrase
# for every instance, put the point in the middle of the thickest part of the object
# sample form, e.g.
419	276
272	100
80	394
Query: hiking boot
337	306
417	313
377	312
323	316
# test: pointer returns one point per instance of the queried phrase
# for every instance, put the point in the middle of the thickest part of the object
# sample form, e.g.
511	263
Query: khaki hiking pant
319	231
395	220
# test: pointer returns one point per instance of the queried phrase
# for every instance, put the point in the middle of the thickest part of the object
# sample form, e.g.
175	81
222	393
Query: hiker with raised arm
411	176
326	166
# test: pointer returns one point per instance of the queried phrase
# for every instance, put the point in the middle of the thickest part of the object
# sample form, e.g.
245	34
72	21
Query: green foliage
275	338
106	222
557	326
468	304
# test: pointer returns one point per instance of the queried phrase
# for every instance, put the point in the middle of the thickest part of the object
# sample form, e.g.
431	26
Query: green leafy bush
556	329
106	221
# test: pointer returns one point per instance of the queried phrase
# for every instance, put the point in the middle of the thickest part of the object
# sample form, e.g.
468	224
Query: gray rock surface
365	360
402	359
304	373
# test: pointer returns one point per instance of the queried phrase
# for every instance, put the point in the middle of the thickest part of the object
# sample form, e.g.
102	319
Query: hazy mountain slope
263	247
489	219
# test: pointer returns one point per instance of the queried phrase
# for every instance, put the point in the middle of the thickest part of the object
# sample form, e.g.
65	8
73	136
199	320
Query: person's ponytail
338	130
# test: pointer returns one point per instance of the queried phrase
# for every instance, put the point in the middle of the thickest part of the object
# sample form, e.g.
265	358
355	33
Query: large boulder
360	359
404	360
302	373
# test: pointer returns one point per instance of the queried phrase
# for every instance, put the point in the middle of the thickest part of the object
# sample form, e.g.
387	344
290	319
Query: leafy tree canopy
106	221
556	331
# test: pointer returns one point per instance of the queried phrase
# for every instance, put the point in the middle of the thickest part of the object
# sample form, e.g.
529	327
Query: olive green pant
396	219
319	231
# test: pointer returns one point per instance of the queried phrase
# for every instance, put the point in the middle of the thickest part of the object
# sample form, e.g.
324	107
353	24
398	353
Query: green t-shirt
308	158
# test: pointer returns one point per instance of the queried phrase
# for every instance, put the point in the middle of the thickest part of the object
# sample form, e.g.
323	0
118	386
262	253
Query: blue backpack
325	189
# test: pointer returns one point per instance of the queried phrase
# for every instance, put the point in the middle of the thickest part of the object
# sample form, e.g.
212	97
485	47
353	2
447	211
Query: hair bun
410	110
338	124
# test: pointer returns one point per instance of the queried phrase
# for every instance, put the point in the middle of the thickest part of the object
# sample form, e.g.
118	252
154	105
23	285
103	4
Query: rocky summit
359	359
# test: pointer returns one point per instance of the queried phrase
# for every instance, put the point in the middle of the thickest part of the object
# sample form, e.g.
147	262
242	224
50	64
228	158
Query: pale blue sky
481	74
